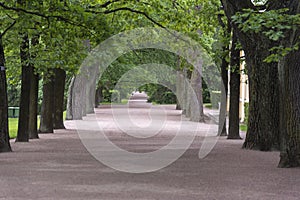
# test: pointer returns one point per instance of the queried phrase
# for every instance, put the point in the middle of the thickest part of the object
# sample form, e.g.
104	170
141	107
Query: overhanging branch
129	10
7	29
57	17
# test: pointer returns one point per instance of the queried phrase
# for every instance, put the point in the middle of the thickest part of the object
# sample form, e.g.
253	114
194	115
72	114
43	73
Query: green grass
13	127
243	127
64	115
123	101
207	105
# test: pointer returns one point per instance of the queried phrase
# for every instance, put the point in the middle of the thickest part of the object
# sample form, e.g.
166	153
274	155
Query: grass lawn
208	105
243	127
123	101
13	125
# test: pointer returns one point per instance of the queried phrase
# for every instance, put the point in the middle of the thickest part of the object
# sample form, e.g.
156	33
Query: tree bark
34	90
23	124
187	94
4	134
69	115
289	71
234	101
183	93
196	103
223	109
59	88
98	96
33	105
46	123
263	122
290	91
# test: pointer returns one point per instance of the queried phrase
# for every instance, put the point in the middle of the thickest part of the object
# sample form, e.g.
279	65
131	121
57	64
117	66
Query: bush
111	96
159	94
115	96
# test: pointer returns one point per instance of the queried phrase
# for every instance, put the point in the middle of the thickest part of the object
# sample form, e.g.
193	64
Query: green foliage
159	94
60	28
279	52
67	30
273	24
128	63
13	91
115	96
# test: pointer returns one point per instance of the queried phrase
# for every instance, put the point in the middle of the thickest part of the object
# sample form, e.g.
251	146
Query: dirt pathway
58	166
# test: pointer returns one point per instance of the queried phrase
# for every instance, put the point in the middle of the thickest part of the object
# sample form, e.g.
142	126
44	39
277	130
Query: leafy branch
8	28
127	9
47	17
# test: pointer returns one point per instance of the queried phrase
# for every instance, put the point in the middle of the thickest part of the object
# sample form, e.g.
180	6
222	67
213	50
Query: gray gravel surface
57	166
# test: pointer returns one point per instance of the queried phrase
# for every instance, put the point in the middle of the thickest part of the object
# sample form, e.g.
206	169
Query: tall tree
4	134
262	70
23	123
263	123
234	101
34	88
223	109
224	73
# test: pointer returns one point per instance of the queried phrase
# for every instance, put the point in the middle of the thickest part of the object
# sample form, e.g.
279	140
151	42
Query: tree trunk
34	90
186	94
263	122
182	75
59	88
33	106
4	134
23	124
223	109
98	96
69	115
290	107
289	70
46	123
196	103
234	104
224	75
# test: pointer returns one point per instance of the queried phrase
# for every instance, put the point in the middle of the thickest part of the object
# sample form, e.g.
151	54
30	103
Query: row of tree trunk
53	96
274	114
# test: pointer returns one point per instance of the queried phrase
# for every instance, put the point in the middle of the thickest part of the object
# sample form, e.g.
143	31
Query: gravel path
58	166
